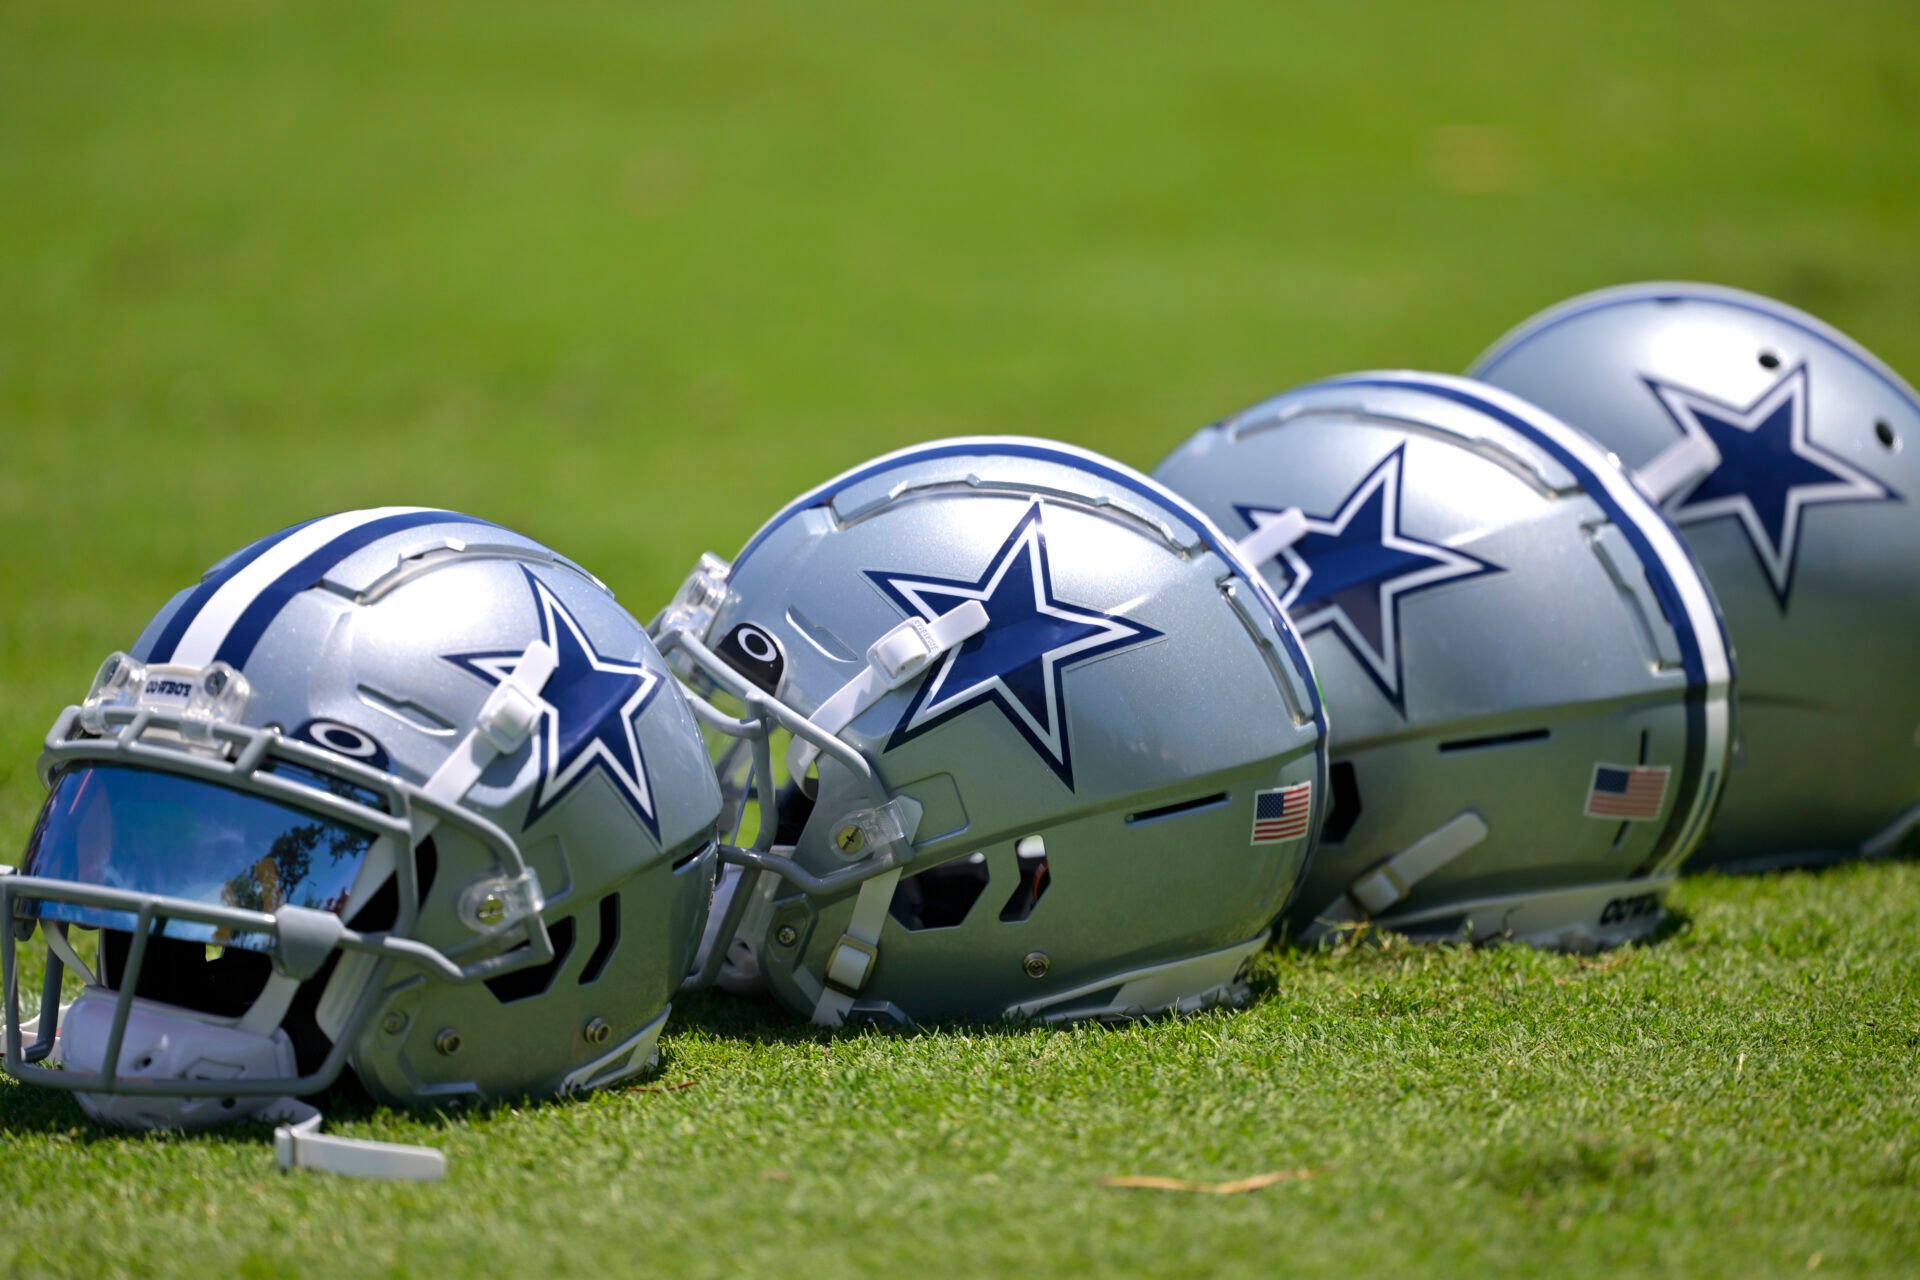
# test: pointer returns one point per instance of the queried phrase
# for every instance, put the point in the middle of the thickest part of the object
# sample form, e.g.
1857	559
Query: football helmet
1526	674
1051	749
1790	459
395	790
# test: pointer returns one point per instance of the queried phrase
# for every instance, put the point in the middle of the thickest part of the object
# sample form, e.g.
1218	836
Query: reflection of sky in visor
306	777
178	837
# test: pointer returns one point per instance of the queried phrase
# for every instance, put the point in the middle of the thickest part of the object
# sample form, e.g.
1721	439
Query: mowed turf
628	280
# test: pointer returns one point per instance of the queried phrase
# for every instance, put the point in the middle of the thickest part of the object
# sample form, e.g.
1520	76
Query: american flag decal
1633	793
1281	814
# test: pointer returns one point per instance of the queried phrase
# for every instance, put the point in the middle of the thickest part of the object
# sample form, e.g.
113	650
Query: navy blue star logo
1769	472
1351	571
589	709
1019	662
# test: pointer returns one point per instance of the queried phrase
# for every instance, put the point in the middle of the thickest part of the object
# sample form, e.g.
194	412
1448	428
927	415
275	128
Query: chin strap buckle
505	721
513	708
904	652
1378	889
852	960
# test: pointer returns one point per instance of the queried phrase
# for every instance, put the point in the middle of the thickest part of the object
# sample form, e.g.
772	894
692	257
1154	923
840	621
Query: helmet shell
1498	616
1807	528
376	637
1136	766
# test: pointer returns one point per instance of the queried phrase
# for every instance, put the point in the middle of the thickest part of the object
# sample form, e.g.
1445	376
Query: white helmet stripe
204	635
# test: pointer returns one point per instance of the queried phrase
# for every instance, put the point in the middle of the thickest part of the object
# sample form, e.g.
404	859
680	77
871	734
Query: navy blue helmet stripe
169	637
252	623
1125	478
1659	576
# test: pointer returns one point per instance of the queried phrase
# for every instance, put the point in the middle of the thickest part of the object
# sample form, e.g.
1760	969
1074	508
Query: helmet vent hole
1491	740
1884	433
940	897
1031	855
1177	810
1344	782
1768	360
609	939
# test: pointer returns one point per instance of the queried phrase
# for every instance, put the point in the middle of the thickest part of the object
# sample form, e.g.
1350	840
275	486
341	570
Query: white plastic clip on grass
299	1144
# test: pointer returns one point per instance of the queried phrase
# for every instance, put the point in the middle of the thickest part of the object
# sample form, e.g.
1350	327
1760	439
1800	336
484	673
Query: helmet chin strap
900	656
1680	464
1390	883
1274	534
502	727
853	957
299	1144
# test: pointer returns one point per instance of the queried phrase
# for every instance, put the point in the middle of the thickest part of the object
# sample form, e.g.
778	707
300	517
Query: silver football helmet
1051	749
1790	459
397	790
1525	673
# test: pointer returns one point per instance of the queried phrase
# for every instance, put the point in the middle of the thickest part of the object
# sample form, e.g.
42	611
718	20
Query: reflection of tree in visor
266	886
180	837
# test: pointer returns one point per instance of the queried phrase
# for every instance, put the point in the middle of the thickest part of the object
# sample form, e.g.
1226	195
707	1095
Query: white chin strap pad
164	1043
893	660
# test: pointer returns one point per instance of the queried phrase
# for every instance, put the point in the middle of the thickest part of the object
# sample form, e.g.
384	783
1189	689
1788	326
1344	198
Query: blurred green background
627	277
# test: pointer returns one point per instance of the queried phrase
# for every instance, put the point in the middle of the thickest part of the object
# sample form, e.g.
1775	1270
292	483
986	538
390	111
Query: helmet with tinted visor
397	790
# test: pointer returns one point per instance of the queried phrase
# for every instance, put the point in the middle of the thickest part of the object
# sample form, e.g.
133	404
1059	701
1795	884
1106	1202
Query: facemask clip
496	905
117	684
698	602
884	832
219	696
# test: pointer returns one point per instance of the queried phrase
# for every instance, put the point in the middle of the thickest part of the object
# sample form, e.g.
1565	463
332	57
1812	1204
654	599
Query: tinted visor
160	833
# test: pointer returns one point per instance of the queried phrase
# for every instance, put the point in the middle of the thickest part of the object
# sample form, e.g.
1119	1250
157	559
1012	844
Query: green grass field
628	280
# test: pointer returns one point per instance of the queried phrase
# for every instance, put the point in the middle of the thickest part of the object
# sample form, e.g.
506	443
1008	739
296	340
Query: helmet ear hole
940	897
1884	433
1768	360
524	984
